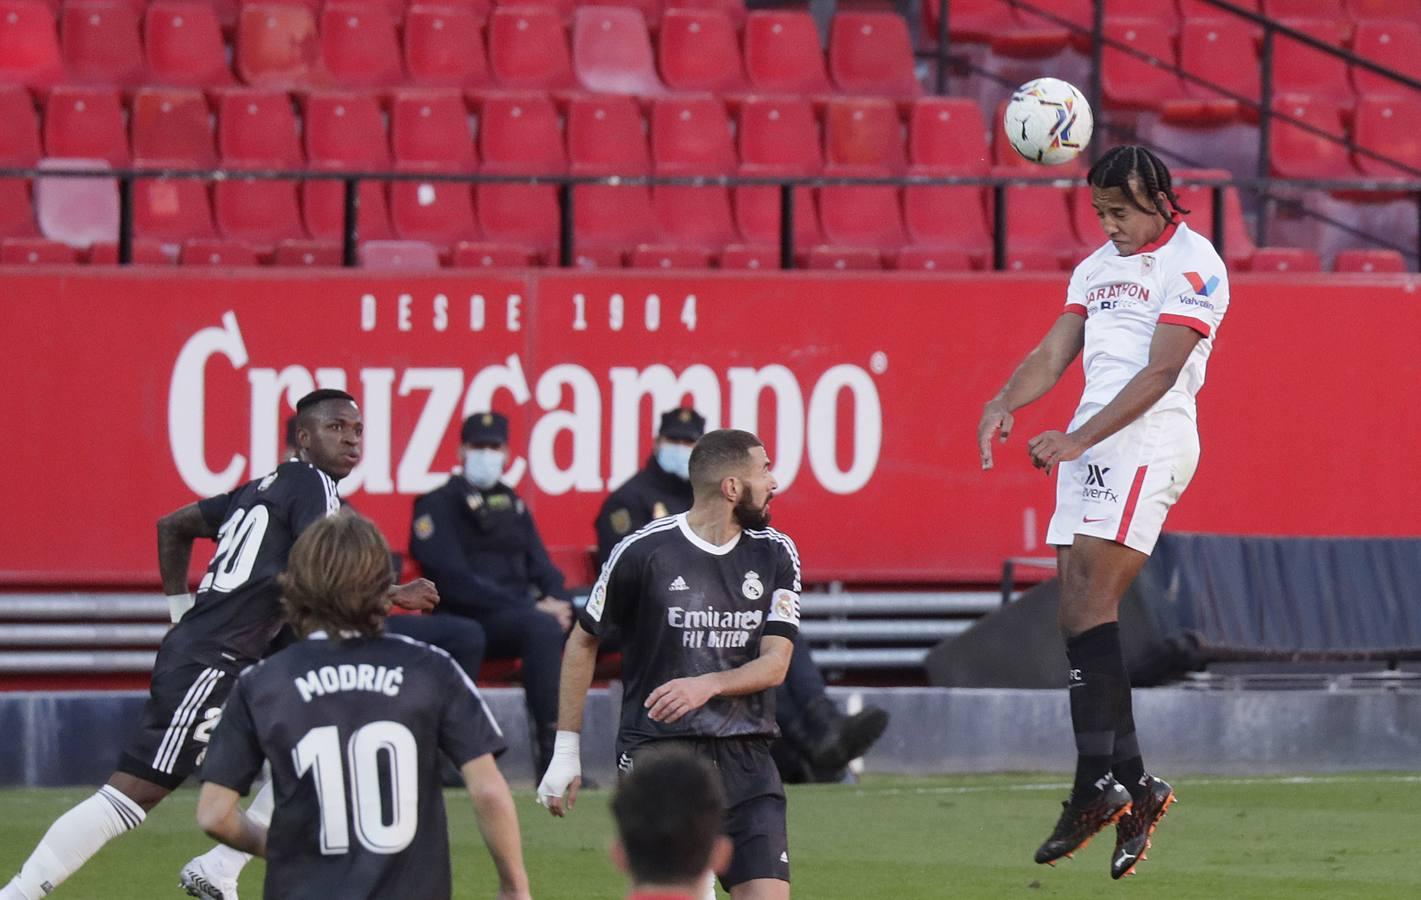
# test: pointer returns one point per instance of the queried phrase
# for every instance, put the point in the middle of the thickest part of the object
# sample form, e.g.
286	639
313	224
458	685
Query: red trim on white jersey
1076	309
1160	241
1186	321
1131	502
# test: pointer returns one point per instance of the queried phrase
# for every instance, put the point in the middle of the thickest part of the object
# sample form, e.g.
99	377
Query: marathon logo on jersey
347	677
1114	296
1095	488
716	628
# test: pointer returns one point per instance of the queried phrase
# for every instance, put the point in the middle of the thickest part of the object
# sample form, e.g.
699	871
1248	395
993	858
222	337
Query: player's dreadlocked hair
1119	163
338	578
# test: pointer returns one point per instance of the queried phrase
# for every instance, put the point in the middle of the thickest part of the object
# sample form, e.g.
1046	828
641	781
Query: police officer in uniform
475	539
819	741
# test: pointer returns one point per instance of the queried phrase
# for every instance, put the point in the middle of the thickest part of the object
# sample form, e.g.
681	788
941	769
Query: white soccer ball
1048	121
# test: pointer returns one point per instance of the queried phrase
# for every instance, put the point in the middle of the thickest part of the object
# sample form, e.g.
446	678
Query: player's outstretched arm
1036	375
676	698
498	823
564	775
1169	351
219	816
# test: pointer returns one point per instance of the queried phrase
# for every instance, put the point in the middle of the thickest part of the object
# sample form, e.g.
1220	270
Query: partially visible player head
329	431
1133	195
731	466
669	813
338	578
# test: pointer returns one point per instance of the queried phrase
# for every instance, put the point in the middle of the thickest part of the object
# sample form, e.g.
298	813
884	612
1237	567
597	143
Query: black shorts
184	704
754	799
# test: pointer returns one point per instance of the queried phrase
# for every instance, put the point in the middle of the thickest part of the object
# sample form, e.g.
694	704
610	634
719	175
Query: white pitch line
1060	786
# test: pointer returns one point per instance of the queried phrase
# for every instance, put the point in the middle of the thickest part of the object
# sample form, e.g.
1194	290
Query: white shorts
1122	488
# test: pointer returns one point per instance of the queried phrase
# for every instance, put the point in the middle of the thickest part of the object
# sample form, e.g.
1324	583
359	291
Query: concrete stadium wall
74	738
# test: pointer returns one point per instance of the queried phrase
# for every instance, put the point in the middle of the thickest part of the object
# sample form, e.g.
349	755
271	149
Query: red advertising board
128	394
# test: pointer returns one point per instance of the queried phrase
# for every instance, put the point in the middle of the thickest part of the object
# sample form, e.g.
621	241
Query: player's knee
542	630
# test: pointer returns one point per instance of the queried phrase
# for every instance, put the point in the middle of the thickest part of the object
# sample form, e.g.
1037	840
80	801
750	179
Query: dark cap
682	424
485	428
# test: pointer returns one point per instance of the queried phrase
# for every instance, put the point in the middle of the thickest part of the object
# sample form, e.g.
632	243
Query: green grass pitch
894	837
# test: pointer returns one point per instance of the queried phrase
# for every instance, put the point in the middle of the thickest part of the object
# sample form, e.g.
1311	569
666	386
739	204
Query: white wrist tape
178	605
567	744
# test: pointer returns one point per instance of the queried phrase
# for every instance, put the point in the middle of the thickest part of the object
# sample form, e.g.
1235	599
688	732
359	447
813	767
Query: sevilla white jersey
1176	280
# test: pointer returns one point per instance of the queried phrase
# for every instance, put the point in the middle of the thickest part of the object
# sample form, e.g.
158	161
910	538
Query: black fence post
787	226
942	47
350	232
1265	122
125	220
999	227
565	235
1217	192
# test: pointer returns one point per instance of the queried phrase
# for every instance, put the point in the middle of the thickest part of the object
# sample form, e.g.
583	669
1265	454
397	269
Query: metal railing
1263	185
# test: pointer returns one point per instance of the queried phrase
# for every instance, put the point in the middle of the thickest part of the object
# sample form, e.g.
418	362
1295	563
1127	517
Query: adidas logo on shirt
679	585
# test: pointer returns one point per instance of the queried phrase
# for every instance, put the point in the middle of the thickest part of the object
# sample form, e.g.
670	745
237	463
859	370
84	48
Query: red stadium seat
1300	69
692	136
308	254
359	45
217	253
735	9
100	43
1039	225
1129	82
277	45
527	49
651	256
19	139
1393	10
562	8
183	40
17	216
1223	59
605	137
36	252
1369	261
258	126
843	259
171	128
1391	128
29	44
782	54
611	51
429	131
76	211
1285	259
519	134
1199	200
141	253
483	255
1392	44
1306	9
406	255
257	129
1296	152
973	21
85	123
778	138
946	223
345	131
444	47
699	51
871	53
1194	10
863	133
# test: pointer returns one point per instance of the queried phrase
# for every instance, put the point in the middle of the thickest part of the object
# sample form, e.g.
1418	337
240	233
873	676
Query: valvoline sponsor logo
1202	287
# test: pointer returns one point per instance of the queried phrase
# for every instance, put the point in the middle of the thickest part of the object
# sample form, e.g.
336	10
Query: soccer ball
1048	121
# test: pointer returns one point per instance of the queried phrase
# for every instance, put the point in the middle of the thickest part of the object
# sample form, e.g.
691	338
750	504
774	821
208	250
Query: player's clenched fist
419	595
564	775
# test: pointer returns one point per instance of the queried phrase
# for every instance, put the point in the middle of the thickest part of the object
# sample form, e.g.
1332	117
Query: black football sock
1096	683
1127	765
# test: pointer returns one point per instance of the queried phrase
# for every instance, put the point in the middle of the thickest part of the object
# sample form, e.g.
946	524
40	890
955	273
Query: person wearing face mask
475	539
818	740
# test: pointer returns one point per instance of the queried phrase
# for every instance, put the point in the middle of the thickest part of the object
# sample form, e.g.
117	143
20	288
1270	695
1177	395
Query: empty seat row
357	44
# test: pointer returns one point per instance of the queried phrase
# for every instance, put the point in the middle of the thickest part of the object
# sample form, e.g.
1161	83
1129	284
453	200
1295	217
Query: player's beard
750	517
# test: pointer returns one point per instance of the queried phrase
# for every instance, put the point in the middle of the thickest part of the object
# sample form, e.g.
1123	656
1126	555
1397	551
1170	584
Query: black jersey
238	604
686	608
353	729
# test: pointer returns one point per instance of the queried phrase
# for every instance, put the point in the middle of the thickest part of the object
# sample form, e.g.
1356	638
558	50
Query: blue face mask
482	468
675	458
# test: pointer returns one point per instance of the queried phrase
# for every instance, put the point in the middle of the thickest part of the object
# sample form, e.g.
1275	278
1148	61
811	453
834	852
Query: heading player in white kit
1145	308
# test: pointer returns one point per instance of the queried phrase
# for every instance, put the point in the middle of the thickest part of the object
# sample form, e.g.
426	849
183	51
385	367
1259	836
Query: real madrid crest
751	587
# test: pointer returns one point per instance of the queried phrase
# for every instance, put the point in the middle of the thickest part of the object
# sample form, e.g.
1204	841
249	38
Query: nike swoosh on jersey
1089	521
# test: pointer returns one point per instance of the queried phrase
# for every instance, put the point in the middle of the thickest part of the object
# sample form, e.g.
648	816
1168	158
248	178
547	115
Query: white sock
71	840
710	887
223	861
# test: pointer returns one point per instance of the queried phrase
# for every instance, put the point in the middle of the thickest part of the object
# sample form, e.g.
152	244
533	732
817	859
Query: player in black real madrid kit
708	604
236	613
353	722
